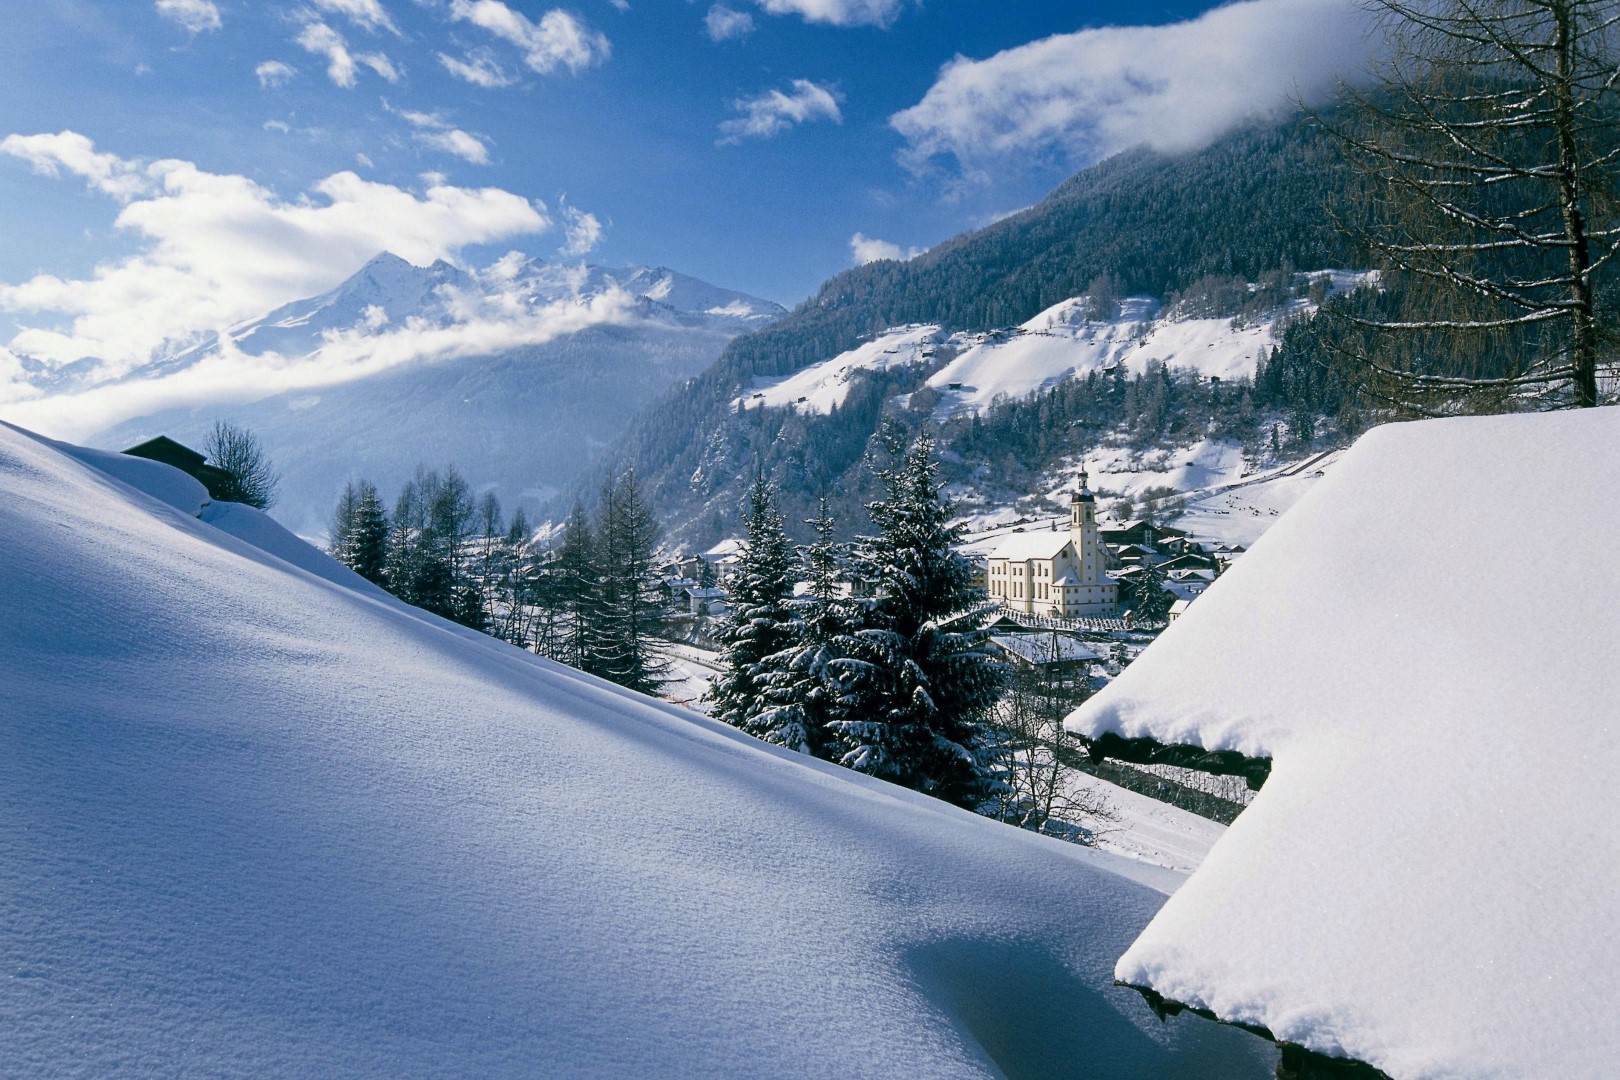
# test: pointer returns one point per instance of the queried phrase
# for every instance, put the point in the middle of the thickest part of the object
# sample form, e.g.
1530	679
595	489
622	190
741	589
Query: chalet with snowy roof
220	484
1425	885
1053	572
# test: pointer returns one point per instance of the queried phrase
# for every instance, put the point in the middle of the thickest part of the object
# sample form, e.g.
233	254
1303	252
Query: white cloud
582	231
479	68
341	64
320	39
484	322
70	151
367	14
724	24
280	127
214	249
462	144
837	12
867	249
773	112
1086	95
195	15
557	40
379	63
274	73
433	130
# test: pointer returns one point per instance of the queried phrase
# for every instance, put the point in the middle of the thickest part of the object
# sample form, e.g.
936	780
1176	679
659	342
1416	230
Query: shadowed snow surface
258	819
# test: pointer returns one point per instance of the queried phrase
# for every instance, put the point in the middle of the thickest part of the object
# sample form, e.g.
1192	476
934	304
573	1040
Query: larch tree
1490	157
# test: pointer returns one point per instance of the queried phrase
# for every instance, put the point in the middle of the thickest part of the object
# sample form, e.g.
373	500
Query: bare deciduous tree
1491	156
1041	793
237	451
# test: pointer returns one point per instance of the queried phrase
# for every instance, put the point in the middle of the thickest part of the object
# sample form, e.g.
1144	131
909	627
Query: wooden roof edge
1298	1062
1145	751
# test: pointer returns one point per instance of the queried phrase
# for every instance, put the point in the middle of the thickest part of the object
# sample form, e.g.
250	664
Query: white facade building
1056	573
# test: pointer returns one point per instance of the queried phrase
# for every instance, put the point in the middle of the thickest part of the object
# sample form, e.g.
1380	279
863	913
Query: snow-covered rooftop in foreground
258	819
1427	881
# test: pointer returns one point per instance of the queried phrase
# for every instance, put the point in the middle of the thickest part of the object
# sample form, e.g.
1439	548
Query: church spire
1083	492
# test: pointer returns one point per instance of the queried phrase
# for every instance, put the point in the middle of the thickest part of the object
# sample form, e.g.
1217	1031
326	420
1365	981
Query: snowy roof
1036	648
1426	882
1032	545
261	819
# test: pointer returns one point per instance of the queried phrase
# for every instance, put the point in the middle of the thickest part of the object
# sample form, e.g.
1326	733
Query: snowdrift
258	819
1425	647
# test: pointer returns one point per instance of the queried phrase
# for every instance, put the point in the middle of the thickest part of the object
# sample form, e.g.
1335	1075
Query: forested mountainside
1215	234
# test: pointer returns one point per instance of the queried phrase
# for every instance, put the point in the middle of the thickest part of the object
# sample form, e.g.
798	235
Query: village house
1055	655
220	484
1062	573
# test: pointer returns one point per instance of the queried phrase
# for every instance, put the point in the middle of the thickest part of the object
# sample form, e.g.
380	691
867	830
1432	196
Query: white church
1056	573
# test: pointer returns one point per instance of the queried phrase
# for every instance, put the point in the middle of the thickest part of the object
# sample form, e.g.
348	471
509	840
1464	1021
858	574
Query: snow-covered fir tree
360	531
1149	603
916	684
759	625
800	695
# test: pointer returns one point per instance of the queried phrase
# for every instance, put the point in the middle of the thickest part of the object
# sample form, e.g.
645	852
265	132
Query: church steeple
1083	492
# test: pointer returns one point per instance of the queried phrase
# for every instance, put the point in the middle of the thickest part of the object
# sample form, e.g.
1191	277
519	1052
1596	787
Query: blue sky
166	161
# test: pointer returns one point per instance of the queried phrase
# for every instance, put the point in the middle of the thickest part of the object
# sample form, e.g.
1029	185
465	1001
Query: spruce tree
619	643
915	680
759	625
574	590
1149	603
800	694
365	548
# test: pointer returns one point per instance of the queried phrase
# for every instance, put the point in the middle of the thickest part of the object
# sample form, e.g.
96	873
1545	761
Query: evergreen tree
800	695
619	642
574	592
1149	603
430	518
760	623
915	682
360	531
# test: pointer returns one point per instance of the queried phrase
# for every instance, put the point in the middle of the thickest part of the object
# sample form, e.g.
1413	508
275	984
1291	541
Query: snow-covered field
259	819
1139	828
1240	511
1061	343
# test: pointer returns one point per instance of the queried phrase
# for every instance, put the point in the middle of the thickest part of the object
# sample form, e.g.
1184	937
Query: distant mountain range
520	375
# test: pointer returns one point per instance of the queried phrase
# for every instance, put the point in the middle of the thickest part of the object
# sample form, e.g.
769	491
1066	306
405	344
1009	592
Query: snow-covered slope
518	374
258	819
1425	647
822	387
1063	342
1060	343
